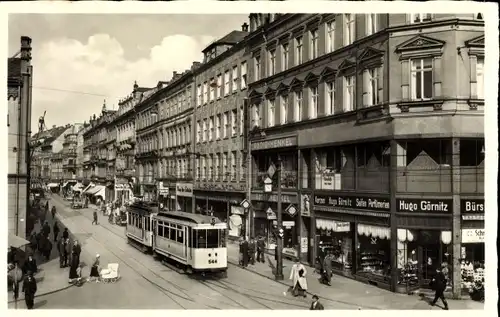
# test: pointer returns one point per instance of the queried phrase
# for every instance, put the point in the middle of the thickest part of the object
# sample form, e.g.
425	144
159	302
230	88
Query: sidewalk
345	289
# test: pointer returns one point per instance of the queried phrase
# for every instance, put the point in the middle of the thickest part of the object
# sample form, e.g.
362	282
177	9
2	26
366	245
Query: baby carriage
111	274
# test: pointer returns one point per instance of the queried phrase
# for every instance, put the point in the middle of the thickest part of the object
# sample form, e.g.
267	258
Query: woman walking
94	271
298	275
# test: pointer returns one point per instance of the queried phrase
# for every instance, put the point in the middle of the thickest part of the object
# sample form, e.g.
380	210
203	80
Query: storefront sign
353	202
290	252
303	245
273	144
424	205
184	189
288	224
285	199
472	205
305	211
270	214
237	210
473	235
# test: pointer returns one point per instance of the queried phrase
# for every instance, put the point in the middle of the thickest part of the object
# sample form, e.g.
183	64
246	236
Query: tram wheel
224	274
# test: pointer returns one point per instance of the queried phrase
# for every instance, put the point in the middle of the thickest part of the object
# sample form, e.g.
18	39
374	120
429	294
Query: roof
231	38
54	134
190	217
143	207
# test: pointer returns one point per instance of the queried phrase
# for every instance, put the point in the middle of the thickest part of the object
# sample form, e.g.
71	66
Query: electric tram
139	228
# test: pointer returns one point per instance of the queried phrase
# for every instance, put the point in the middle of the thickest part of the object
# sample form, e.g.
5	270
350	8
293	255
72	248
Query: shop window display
335	238
472	266
420	253
373	252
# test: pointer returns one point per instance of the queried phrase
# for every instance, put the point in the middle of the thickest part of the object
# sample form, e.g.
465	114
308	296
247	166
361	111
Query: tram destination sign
424	205
353	202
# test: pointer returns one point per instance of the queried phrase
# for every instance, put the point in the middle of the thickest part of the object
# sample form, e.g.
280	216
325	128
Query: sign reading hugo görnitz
424	205
184	189
472	205
353	202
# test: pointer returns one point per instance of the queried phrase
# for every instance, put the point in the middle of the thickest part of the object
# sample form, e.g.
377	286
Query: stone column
456	221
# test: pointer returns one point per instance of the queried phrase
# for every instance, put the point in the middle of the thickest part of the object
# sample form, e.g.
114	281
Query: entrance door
428	259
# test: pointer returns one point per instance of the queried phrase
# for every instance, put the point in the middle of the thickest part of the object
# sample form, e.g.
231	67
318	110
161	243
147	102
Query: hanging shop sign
237	210
424	205
184	189
288	224
353	202
270	214
274	143
285	199
473	235
291	252
472	205
291	210
303	245
305	203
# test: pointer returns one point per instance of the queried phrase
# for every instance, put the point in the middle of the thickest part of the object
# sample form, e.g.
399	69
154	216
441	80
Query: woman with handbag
298	275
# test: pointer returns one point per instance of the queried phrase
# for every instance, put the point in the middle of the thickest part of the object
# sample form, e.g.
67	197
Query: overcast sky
102	56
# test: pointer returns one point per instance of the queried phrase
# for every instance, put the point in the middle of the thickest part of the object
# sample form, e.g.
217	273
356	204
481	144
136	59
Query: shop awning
77	187
93	190
51	185
65	184
374	231
101	191
336	226
16	241
89	187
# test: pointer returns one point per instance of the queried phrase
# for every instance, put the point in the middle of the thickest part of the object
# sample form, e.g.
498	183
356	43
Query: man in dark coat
63	252
56	231
251	251
46	229
95	217
30	265
244	251
29	289
438	283
65	234
316	305
47	248
261	245
75	252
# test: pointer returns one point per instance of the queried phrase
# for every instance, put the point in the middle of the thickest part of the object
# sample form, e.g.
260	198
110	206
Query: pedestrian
298	275
438	284
29	289
261	245
316	305
65	234
94	271
245	252
63	252
326	271
73	274
11	255
75	252
30	265
33	242
14	277
46	229
47	248
95	218
251	251
53	210
56	230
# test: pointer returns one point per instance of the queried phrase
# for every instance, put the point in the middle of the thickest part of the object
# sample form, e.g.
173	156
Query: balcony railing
125	172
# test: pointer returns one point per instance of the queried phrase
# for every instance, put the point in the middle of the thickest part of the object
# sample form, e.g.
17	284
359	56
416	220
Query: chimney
195	65
244	27
136	93
53	126
174	74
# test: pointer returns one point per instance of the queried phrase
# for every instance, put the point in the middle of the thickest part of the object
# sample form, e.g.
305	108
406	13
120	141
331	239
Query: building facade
220	147
19	92
360	111
79	152
69	152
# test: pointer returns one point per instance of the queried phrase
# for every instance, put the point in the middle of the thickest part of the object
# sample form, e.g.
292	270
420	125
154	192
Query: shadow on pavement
39	304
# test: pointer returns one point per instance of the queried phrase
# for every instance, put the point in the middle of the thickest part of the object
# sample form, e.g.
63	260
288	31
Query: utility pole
279	257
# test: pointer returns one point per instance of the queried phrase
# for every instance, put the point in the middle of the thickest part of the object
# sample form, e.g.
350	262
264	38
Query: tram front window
211	238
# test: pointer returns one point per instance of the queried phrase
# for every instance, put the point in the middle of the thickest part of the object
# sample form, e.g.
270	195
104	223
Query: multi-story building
221	89
69	152
56	168
124	122
19	83
111	158
79	153
377	123
95	155
49	143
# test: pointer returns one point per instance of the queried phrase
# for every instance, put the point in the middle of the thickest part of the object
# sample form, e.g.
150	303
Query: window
205	92
225	121
420	17
226	83
234	127
242	120
219	86
216	164
233	165
371	23
217	127
197	168
256	117
314	104
330	98
272	62
257	67
204	136
421	78
270	113
480	77
198	95
235	78
210	128
224	166
370	86
210	167
198	132
349	32
330	36
284	58
180	235
203	167
284	109
243	75
298	106
212	89
314	44
298	50
348	93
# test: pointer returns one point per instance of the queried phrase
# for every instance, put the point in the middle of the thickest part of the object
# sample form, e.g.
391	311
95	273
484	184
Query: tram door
154	230
186	239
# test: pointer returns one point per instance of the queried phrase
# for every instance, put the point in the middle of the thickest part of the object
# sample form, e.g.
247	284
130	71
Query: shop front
472	255
184	197
265	222
165	195
353	231
424	242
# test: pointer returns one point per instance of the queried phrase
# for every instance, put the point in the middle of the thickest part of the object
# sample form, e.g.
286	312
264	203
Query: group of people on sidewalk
251	250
